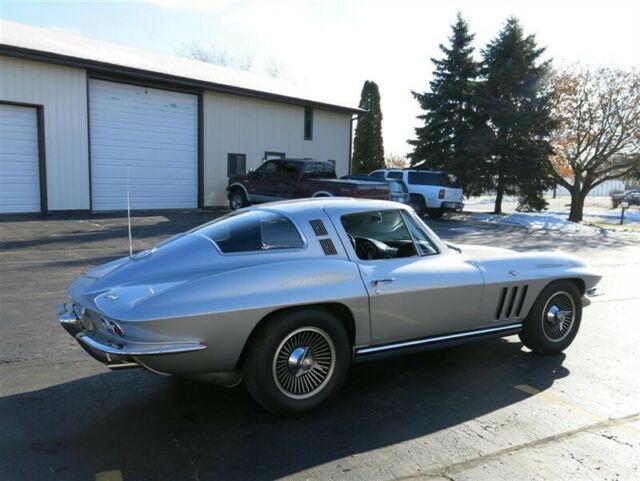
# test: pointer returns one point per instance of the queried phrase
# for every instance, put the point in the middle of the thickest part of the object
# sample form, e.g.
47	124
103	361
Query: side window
308	123
267	169
421	239
379	235
394	175
379	174
289	170
252	231
236	164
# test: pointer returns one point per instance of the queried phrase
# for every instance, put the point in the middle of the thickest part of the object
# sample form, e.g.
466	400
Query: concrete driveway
486	411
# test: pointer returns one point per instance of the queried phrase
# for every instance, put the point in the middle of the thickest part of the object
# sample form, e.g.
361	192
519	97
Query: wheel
296	361
237	199
417	202
435	213
554	319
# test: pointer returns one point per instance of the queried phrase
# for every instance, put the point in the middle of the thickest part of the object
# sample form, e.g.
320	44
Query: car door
435	292
263	183
287	183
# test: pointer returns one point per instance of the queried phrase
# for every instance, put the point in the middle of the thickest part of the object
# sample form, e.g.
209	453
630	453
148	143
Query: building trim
146	75
200	203
42	156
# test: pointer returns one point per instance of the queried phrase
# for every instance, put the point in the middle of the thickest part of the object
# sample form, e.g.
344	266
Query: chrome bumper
117	353
593	292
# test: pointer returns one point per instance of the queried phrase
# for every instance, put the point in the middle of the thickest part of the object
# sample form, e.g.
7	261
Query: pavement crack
458	467
103	401
187	455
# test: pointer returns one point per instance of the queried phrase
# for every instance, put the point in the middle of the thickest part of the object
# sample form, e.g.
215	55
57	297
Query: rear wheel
554	319
297	361
435	213
237	199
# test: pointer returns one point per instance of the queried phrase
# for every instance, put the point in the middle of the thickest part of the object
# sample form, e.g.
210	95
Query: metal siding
62	92
155	133
252	127
19	160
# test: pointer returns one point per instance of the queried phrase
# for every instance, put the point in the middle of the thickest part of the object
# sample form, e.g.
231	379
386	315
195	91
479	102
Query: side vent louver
318	227
328	247
507	307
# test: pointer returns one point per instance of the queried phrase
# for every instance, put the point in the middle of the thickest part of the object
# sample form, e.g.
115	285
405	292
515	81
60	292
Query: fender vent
318	227
507	307
328	247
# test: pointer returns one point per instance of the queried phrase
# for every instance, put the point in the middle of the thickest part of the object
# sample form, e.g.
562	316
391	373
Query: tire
269	364
554	319
435	213
417	202
237	199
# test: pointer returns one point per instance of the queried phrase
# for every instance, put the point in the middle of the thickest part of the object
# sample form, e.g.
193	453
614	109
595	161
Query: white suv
432	193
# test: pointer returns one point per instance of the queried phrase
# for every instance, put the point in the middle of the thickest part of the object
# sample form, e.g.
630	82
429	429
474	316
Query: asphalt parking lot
488	411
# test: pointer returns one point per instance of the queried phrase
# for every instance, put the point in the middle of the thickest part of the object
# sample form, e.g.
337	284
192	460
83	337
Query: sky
333	46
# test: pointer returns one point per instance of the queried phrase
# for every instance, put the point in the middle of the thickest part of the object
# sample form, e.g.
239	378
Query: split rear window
251	231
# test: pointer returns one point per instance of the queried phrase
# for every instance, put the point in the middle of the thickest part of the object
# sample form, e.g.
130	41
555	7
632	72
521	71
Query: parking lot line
115	475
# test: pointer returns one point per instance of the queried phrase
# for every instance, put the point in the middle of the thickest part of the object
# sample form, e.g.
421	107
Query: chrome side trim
140	348
429	340
595	292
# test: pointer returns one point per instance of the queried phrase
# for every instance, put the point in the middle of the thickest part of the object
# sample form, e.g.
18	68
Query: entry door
152	133
410	297
19	160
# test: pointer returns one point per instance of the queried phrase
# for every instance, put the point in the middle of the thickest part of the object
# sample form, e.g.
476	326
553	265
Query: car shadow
150	427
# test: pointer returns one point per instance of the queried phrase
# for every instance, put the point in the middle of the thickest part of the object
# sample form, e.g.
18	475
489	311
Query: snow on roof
57	43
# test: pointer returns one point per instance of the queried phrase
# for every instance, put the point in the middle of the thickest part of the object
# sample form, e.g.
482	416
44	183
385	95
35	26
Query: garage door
19	162
153	133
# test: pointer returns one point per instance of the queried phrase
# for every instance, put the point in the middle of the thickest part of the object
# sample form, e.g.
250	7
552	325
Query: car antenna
129	214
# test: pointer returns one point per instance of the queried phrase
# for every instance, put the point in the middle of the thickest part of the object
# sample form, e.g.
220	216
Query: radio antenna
129	213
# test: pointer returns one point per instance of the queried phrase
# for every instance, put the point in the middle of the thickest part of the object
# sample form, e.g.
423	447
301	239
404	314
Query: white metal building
77	116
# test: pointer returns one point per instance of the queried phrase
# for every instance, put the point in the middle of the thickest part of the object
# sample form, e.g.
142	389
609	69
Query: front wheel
554	319
297	361
237	199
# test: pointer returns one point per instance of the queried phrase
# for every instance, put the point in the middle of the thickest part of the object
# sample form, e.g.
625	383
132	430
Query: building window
236	164
308	123
273	155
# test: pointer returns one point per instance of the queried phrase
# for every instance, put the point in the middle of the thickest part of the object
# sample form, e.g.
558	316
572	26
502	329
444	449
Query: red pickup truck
282	179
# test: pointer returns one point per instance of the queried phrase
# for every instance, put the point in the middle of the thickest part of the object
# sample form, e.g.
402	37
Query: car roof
345	204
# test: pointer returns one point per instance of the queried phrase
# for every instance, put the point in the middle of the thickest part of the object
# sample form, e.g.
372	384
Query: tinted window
377	175
319	170
252	231
394	175
268	168
430	178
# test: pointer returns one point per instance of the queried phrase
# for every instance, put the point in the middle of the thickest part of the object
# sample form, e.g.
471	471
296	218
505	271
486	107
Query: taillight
441	194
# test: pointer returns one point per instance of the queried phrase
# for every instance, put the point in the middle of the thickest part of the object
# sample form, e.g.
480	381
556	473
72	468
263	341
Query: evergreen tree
368	149
514	101
450	138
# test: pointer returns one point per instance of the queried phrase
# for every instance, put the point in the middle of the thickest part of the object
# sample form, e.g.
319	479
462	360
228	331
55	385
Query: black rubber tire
435	213
237	193
532	334
417	202
257	360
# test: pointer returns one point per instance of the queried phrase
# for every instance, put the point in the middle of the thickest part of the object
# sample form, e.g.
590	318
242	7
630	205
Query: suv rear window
254	230
430	178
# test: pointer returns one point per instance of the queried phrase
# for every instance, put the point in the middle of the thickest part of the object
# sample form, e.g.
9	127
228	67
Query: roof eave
94	66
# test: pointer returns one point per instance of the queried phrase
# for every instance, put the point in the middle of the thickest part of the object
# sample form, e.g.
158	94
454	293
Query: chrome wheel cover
558	316
304	362
236	201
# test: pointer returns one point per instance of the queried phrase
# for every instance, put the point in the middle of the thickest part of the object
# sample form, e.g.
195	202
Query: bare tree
273	68
212	54
394	161
598	133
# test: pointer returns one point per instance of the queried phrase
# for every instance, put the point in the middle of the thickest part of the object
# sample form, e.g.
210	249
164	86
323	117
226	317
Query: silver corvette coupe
285	296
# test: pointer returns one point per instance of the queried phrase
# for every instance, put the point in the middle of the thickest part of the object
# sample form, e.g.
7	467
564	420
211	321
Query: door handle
377	282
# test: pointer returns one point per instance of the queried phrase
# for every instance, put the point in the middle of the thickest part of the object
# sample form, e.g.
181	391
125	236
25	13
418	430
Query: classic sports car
286	295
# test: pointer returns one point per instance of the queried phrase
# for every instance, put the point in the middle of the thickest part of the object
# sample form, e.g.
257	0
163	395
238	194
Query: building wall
239	125
62	91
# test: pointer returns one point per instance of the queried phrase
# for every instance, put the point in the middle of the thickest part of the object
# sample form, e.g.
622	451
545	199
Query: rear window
319	170
252	231
395	175
430	178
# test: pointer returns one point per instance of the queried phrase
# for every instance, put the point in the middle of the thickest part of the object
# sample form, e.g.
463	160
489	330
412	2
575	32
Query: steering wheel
366	249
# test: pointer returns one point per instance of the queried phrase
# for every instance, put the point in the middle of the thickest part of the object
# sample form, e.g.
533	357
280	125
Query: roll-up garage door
19	161
152	133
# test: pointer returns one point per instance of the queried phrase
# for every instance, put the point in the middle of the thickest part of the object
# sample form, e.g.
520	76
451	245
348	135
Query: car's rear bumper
117	353
452	206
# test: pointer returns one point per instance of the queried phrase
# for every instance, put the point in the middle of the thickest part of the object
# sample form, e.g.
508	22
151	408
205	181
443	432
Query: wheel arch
237	185
341	311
